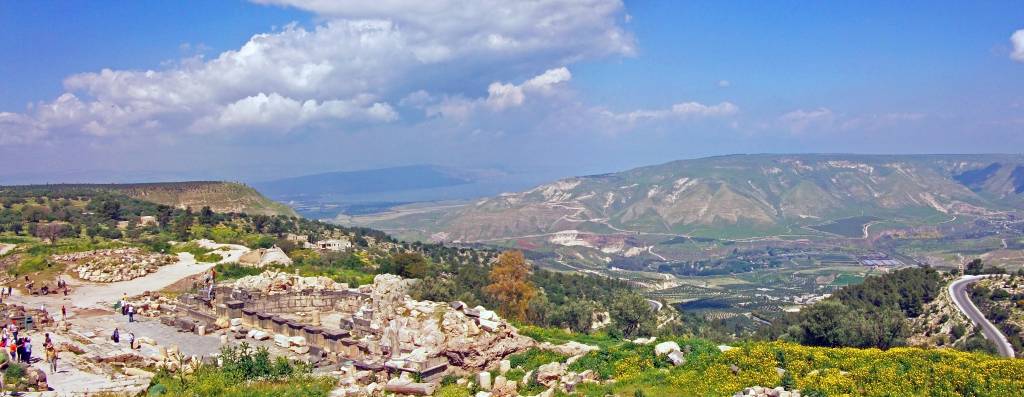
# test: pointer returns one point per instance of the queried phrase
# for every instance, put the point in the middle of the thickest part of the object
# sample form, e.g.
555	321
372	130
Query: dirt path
230	252
5	248
87	294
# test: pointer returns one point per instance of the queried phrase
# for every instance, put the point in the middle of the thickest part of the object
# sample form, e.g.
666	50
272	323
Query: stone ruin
264	257
372	336
112	265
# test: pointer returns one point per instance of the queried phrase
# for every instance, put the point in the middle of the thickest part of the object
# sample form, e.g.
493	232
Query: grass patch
201	254
534	358
560	336
848	279
16	240
452	390
817	370
234	271
245	372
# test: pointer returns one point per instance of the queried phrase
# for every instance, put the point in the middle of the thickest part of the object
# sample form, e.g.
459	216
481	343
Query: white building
334	244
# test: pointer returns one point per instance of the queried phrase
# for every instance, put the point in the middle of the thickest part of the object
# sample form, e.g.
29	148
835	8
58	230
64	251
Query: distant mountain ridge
745	195
219	196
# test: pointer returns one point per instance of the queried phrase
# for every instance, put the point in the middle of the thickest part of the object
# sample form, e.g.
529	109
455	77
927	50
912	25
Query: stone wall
294	302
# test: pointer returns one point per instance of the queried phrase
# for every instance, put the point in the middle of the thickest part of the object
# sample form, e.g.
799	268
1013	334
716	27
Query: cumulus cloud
569	29
278	113
504	95
546	103
1017	40
500	96
363	57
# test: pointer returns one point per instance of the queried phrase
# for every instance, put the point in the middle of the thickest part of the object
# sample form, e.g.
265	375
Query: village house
334	244
302	240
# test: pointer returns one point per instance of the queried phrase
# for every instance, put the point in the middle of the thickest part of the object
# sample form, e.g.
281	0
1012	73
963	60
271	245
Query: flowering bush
815	370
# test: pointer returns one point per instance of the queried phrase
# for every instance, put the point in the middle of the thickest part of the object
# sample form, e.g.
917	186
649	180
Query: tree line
871	314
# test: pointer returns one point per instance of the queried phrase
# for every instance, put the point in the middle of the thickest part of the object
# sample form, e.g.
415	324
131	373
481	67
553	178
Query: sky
97	91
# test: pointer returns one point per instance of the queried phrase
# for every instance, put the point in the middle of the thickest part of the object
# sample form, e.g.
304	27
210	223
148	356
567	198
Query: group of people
5	292
62	285
127	309
116	337
19	347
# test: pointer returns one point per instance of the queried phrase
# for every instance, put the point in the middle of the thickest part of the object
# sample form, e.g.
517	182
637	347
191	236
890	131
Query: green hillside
743	196
219	196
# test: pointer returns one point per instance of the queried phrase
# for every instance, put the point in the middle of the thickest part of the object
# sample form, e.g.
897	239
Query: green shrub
14	374
157	390
246	371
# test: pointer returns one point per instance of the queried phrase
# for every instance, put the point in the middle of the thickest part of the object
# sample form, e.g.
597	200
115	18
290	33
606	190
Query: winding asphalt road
958	290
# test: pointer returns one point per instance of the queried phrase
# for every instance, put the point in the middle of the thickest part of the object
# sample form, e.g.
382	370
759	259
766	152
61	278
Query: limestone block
488	325
666	348
677	358
484	379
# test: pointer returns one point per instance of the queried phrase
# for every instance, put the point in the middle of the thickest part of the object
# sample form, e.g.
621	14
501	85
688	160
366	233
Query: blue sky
105	91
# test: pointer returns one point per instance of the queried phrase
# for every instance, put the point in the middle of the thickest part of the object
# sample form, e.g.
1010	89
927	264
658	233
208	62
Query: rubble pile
470	338
112	265
280	282
154	305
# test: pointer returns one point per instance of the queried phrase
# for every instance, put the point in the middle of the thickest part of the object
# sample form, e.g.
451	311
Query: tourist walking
131	340
12	351
51	354
27	356
63	312
131	313
116	337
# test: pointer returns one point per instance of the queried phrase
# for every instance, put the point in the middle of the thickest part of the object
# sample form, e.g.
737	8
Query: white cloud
1017	39
682	111
278	113
724	83
570	29
504	95
17	128
362	57
801	120
548	104
500	96
825	120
